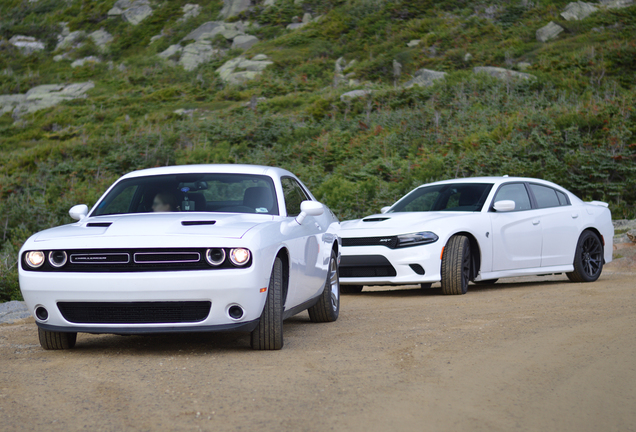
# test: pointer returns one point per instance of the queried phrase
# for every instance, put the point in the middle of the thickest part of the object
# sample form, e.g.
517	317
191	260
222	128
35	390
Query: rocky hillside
363	99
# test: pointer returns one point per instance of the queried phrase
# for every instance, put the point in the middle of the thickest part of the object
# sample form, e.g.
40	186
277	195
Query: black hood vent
192	223
99	224
375	219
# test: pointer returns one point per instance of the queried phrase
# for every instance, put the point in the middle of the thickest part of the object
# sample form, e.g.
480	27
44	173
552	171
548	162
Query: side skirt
536	271
301	307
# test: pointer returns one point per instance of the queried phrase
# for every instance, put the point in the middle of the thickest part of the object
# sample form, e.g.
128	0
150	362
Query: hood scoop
194	223
99	224
375	219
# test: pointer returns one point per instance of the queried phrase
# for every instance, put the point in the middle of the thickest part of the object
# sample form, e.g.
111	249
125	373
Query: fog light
235	312
57	258
34	259
215	257
41	313
239	256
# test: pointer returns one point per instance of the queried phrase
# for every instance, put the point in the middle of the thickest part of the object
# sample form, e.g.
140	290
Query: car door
516	234
559	225
306	275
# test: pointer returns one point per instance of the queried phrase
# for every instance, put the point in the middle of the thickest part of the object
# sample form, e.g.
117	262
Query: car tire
51	340
351	289
486	282
588	258
456	266
268	334
328	306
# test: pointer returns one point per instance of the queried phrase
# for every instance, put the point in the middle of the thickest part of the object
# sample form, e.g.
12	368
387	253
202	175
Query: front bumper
222	288
407	263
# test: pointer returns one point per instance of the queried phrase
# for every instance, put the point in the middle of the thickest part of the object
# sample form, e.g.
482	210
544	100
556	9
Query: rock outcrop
549	32
424	78
41	97
26	44
70	40
232	8
240	69
355	94
13	311
413	43
578	11
502	73
131	11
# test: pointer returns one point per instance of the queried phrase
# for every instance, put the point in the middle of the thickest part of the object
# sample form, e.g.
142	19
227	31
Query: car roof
212	168
494	180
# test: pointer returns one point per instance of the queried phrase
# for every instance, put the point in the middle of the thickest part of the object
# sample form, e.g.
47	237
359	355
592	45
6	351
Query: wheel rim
465	267
334	284
591	256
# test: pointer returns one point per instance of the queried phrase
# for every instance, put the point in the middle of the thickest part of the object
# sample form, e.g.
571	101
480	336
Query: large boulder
131	11
171	51
354	94
424	78
234	7
206	30
41	97
578	11
189	11
502	73
101	38
244	41
83	61
26	44
197	53
617	4
549	32
71	40
240	69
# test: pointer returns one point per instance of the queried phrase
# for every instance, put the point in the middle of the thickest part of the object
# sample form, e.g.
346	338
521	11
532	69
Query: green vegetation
575	124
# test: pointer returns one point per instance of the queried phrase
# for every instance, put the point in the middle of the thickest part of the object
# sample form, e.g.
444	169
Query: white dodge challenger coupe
185	249
477	229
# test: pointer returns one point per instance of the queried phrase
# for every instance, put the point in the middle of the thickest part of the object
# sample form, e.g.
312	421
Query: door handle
575	215
536	222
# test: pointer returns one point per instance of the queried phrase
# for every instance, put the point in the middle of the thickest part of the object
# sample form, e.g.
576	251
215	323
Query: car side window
516	192
294	195
563	198
546	196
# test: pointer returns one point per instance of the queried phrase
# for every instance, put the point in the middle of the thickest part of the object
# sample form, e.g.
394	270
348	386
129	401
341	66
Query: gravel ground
528	354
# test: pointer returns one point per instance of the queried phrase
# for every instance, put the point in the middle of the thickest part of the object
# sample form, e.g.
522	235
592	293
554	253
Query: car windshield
233	193
468	197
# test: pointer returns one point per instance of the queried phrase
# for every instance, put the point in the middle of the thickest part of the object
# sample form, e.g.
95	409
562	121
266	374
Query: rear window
546	196
232	193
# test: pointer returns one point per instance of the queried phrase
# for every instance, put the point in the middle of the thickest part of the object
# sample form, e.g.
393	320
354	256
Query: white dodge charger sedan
477	229
185	249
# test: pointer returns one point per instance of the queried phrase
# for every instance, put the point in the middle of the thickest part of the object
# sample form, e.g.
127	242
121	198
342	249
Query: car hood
398	223
222	225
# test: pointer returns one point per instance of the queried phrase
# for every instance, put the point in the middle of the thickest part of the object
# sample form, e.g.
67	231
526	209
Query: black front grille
367	271
388	241
135	312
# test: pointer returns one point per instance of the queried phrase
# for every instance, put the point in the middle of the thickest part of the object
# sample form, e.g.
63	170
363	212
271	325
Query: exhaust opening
235	312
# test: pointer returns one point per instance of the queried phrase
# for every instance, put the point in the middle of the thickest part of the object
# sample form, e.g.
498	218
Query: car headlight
34	259
239	256
416	239
57	258
215	257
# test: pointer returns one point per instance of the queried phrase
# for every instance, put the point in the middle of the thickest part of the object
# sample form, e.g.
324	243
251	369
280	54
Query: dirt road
536	354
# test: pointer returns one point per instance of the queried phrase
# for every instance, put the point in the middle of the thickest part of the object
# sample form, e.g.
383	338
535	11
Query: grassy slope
573	125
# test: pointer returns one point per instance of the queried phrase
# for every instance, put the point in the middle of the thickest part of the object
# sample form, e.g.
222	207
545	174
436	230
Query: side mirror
385	209
504	206
309	208
78	212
